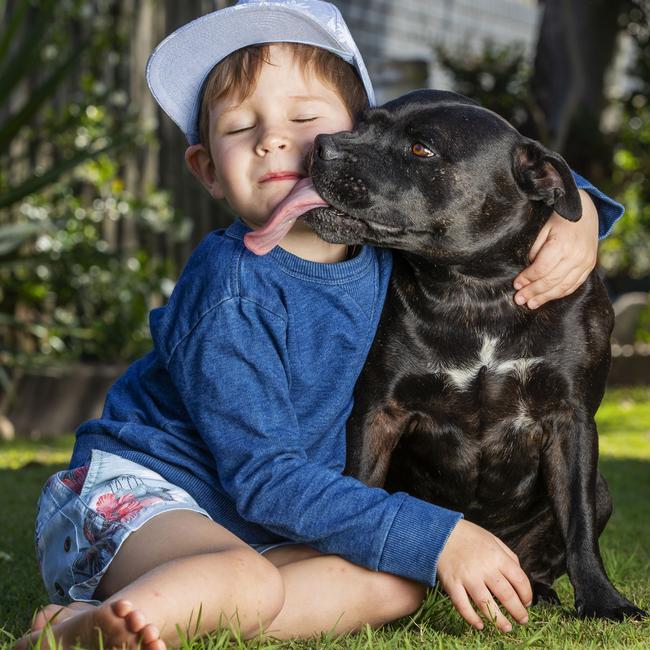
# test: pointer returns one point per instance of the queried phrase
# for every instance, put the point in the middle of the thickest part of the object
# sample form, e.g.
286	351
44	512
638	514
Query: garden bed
49	401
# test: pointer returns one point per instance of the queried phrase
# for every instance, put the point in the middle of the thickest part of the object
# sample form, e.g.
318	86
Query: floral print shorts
85	514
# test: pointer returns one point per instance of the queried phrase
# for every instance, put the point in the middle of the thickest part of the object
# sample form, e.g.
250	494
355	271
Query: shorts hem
96	578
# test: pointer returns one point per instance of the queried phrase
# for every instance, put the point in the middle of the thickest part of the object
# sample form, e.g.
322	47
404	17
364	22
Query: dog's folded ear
545	176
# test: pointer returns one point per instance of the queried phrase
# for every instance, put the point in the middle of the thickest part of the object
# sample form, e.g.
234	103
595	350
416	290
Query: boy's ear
200	163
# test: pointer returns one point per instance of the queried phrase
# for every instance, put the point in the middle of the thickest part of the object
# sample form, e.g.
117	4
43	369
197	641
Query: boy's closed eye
240	129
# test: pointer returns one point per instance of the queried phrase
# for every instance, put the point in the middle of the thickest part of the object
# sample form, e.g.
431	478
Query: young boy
210	493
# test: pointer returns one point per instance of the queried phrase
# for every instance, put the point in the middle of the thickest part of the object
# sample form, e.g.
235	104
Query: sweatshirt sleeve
609	211
233	374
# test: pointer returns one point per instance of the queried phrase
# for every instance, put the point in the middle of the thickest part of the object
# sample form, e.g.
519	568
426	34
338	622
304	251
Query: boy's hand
563	255
477	566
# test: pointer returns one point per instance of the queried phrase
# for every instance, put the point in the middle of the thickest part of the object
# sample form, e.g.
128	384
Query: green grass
624	425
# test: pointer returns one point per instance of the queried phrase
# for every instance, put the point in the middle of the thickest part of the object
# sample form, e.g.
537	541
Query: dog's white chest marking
462	376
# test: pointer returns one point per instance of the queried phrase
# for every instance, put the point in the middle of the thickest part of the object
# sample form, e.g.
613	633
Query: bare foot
56	614
120	626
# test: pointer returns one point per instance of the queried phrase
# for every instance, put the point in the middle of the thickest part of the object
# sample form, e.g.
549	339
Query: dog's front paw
617	610
544	594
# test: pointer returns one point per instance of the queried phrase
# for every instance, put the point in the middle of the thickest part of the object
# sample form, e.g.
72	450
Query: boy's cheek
217	191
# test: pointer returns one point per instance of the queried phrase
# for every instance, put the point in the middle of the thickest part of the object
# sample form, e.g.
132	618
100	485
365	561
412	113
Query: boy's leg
325	593
177	564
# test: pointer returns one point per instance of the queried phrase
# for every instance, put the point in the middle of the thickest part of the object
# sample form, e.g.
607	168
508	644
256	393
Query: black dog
466	399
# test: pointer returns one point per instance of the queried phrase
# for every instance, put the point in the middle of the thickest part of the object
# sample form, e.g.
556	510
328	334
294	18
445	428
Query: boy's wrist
608	210
416	538
589	210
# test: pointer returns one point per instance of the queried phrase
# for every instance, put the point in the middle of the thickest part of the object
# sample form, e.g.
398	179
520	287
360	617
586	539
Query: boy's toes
135	621
122	608
141	633
120	624
159	644
150	638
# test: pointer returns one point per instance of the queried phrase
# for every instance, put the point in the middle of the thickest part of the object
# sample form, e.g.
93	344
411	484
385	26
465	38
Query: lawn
624	425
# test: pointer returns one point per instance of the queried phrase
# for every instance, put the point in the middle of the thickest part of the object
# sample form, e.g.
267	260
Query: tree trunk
577	42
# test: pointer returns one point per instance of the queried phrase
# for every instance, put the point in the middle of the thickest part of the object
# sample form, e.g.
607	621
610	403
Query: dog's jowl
467	399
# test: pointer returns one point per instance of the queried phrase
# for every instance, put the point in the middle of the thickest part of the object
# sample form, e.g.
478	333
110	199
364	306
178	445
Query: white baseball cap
179	66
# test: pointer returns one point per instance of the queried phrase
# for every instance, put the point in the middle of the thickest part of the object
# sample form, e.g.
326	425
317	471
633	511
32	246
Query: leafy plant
32	38
497	77
627	250
73	298
65	291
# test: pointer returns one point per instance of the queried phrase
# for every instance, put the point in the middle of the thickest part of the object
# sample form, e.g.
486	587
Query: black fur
466	399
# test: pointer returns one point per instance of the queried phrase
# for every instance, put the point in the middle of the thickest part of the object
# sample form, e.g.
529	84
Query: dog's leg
543	593
603	503
571	478
541	552
541	549
372	438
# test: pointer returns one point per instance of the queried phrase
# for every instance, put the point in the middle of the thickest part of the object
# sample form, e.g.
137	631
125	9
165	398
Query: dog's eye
421	151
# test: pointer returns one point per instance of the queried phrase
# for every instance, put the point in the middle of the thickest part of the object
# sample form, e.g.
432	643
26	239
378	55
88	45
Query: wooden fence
140	25
163	165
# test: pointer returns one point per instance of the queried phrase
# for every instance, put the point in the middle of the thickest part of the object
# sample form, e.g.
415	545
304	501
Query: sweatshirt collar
295	265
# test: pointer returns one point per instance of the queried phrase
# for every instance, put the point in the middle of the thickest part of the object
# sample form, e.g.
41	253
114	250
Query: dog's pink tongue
303	197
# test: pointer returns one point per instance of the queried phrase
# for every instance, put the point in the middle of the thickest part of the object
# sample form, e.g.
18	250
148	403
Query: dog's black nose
326	148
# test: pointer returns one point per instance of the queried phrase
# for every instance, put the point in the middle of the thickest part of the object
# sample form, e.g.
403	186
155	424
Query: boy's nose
272	141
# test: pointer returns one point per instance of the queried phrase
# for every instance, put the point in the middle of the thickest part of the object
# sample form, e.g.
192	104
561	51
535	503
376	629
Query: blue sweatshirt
244	399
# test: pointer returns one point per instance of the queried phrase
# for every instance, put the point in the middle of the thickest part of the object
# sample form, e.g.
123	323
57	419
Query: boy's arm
564	252
232	375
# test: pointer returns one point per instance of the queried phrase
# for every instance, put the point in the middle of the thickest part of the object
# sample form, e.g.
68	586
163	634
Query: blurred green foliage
497	77
54	59
627	250
67	292
73	298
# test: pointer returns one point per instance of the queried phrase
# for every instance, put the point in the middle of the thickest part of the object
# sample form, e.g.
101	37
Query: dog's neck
498	262
481	277
484	279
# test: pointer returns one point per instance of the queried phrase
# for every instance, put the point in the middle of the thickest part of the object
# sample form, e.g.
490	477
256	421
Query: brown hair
238	72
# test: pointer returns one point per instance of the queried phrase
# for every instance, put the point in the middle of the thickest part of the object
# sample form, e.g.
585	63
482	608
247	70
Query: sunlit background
98	213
